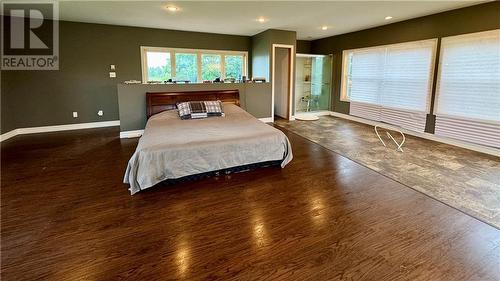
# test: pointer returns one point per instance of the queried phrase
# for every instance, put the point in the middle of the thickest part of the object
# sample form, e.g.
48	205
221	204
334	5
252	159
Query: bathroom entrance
313	84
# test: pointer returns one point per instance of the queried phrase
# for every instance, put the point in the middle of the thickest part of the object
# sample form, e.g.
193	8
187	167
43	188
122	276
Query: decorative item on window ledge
132	82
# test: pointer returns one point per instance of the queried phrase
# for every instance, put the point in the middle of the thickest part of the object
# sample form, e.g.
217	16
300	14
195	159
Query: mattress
172	148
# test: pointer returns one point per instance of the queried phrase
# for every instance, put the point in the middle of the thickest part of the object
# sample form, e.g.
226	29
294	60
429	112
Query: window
161	64
468	88
210	67
390	83
234	66
186	68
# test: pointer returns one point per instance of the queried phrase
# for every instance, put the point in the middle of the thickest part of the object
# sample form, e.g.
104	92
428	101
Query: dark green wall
82	83
41	98
303	47
262	49
261	55
466	20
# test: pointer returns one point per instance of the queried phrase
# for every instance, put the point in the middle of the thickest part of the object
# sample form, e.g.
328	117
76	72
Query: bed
171	148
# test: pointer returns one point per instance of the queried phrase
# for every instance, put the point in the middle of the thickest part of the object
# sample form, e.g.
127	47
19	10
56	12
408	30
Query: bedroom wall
262	50
255	98
466	20
303	47
82	83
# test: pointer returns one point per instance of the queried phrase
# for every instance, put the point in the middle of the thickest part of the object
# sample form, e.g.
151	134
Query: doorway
282	80
313	75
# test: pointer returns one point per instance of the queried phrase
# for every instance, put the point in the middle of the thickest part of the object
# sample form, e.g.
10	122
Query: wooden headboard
160	101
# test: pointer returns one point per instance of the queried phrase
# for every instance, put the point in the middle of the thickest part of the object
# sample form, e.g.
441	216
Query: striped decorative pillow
200	109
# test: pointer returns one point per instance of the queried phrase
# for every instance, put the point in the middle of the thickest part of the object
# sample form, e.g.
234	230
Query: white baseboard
131	134
9	135
462	144
57	128
267	120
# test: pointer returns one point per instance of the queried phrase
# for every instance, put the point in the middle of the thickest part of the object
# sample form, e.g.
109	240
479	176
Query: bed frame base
222	172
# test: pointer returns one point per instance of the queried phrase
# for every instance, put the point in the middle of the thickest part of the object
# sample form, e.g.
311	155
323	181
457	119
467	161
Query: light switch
112	67
112	74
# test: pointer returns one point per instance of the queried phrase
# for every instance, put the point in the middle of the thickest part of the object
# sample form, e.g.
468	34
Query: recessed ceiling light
388	18
324	27
172	8
261	19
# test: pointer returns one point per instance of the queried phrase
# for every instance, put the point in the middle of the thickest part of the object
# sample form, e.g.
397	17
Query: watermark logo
30	35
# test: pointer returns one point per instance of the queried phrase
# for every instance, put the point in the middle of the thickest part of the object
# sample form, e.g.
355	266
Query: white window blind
468	89
392	83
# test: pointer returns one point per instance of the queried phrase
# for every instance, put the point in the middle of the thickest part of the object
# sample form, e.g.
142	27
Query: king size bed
171	148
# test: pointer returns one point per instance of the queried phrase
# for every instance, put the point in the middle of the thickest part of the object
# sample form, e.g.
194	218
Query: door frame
290	112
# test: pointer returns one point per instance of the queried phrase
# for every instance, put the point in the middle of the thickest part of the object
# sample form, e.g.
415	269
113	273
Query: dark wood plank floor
67	216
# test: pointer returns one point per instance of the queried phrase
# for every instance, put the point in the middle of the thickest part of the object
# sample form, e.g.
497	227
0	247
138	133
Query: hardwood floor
67	216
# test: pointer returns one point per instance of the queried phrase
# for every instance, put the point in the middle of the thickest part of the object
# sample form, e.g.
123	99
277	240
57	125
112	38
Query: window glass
234	67
210	67
159	66
186	68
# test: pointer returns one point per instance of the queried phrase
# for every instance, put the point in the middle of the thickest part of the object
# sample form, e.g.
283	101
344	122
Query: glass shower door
321	76
313	86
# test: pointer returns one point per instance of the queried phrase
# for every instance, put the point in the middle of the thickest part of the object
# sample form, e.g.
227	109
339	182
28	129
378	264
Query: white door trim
292	62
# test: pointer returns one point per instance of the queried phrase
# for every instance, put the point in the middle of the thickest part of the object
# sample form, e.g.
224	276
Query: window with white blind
468	88
390	83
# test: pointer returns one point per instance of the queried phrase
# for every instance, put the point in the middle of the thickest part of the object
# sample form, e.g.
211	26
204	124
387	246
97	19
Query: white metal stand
399	145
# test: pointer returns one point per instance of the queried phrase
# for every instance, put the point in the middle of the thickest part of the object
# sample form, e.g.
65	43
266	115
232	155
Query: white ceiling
239	17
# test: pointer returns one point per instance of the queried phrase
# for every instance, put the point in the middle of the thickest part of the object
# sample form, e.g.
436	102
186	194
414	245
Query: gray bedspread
171	148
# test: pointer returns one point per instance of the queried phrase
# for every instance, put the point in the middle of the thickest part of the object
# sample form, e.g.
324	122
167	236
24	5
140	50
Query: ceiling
239	17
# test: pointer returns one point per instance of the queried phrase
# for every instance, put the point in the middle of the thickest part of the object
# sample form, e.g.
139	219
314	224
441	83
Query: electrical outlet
100	113
75	114
112	67
112	74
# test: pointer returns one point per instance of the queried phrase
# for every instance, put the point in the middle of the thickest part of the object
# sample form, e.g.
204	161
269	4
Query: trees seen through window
161	64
